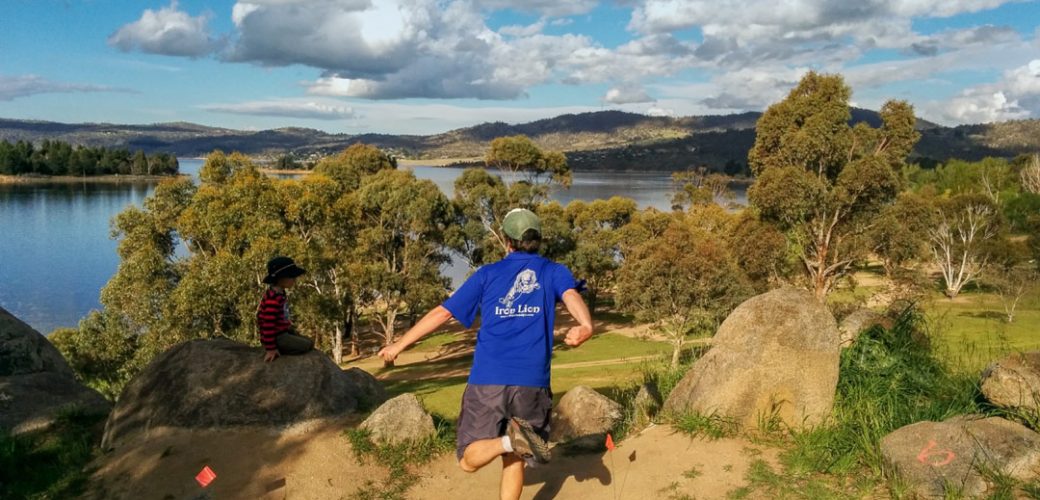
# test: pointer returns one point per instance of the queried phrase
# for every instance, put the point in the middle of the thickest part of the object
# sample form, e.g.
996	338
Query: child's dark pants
290	343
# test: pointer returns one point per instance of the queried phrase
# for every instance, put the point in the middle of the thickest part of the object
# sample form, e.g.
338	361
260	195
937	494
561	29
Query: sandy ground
317	463
658	463
303	463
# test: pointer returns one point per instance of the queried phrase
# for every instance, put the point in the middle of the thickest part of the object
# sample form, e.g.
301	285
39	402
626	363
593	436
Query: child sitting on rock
272	317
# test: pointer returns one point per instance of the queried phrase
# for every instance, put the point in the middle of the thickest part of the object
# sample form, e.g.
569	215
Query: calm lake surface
56	252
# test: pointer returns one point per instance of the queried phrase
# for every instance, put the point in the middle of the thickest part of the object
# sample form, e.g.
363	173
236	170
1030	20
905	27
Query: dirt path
304	463
317	463
658	463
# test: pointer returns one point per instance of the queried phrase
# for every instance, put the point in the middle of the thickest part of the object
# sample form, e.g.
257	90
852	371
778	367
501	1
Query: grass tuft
400	459
888	379
50	463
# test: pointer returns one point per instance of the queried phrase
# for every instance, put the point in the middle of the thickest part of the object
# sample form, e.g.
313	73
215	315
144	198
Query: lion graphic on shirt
526	282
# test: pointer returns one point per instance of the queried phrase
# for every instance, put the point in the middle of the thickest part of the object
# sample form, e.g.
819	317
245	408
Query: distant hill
612	140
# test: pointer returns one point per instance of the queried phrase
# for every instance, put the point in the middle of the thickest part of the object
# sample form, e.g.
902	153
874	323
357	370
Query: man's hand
271	355
389	353
577	336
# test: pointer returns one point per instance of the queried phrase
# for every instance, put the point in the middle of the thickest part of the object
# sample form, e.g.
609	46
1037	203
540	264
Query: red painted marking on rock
929	451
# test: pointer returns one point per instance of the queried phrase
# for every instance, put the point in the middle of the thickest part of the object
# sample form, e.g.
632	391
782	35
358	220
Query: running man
507	403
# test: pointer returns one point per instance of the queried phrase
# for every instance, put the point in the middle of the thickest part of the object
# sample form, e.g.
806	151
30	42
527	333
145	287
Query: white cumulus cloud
627	94
1015	96
168	31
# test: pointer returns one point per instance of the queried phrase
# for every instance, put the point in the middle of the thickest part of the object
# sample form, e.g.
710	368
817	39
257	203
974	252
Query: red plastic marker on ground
206	476
610	442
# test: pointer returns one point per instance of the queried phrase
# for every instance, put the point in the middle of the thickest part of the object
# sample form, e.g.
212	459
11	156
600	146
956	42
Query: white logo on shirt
526	282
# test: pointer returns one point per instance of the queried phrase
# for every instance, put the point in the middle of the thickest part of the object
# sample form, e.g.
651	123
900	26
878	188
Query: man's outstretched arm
427	325
576	306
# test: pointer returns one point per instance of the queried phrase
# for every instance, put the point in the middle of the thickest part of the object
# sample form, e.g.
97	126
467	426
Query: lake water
56	252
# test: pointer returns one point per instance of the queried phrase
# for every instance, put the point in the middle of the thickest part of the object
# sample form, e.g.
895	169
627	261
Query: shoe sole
539	450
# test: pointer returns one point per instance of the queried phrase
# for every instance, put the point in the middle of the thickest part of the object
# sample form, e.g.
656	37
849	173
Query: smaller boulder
859	321
939	458
1014	382
399	420
583	418
646	404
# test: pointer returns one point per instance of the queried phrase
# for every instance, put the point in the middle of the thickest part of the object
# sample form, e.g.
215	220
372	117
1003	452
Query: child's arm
576	306
432	321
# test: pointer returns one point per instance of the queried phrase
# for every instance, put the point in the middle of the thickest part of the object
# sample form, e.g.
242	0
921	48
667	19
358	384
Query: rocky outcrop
401	419
36	384
775	356
221	383
583	418
1013	383
939	459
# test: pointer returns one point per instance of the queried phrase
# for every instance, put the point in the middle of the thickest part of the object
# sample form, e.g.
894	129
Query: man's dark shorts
486	409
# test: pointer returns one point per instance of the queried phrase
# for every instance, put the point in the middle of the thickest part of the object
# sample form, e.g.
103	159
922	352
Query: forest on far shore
61	158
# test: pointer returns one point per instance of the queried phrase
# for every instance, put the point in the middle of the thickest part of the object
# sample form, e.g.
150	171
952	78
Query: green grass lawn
974	331
442	395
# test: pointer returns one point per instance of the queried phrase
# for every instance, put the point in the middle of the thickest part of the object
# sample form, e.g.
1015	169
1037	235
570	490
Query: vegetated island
61	162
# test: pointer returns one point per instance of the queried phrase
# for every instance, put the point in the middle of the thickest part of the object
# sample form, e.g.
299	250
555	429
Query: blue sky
426	66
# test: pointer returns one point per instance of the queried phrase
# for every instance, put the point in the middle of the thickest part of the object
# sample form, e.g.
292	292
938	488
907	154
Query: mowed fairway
436	368
973	329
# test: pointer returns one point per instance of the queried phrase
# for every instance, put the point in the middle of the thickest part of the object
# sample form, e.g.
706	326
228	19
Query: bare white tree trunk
337	345
957	246
1031	176
1012	285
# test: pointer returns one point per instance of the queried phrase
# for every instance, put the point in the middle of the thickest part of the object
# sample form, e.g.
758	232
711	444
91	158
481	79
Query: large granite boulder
775	356
583	418
1014	382
939	459
399	420
221	383
372	392
36	384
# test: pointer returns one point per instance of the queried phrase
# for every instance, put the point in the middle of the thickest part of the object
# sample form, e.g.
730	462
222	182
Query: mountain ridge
609	139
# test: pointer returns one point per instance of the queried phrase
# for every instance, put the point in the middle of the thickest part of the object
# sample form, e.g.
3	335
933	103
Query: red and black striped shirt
272	317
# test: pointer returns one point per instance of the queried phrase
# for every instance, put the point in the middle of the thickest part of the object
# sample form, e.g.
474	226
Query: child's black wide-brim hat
282	267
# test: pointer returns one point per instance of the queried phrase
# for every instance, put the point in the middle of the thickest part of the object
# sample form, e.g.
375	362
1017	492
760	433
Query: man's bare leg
480	453
512	477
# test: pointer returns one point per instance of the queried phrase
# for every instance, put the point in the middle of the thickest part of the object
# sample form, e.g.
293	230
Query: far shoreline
93	179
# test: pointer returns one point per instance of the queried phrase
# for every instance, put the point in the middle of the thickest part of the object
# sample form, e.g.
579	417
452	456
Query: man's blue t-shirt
516	298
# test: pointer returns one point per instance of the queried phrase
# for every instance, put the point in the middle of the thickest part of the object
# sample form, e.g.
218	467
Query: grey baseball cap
518	221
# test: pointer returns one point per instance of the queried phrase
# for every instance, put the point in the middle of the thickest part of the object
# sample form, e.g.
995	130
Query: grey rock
401	419
1014	382
36	384
646	404
583	418
859	321
775	356
936	459
372	392
23	350
222	383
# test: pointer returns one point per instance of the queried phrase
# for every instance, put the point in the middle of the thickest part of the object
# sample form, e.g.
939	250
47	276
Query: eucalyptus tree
823	181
